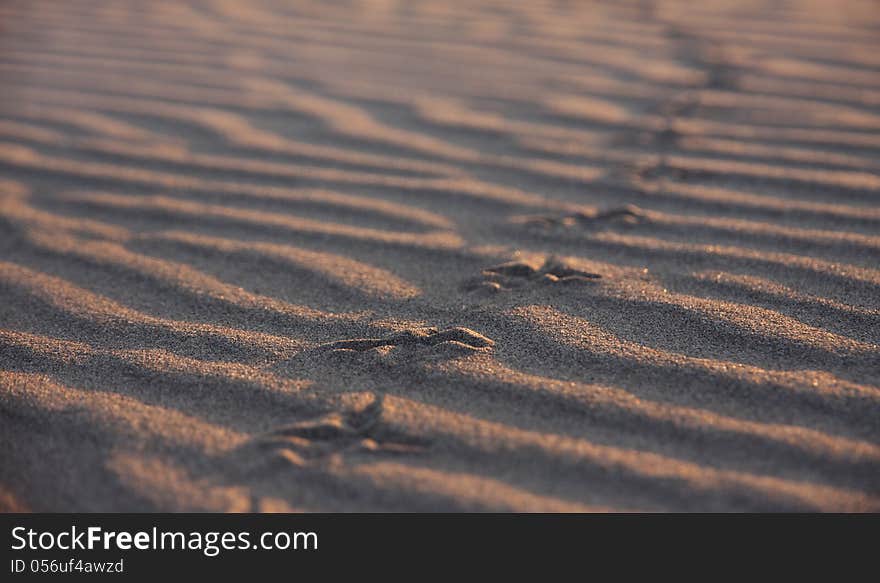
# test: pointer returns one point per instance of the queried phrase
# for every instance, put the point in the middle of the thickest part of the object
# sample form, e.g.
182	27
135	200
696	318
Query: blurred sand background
439	255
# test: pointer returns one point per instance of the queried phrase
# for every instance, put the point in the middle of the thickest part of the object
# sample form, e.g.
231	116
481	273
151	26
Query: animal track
517	274
627	215
451	342
333	435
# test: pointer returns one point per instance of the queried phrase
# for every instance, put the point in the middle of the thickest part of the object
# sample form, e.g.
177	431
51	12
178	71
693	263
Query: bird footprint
517	274
415	341
336	434
624	215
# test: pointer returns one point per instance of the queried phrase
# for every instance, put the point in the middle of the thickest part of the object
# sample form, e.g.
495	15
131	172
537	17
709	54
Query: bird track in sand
411	344
323	438
518	274
623	215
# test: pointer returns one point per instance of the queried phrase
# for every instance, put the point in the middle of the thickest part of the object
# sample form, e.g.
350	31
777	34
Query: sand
439	256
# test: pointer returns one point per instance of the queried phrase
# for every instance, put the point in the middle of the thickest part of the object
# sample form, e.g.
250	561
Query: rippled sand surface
439	255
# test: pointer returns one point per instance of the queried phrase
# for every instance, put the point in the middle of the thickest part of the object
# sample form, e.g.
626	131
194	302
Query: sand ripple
381	256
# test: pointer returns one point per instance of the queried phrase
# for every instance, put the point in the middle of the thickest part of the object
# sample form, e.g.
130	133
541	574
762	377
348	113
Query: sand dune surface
439	255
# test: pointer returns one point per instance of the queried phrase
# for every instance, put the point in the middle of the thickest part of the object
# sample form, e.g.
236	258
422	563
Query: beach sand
439	256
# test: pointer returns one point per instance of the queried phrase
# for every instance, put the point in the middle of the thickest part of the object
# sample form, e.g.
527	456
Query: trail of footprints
333	437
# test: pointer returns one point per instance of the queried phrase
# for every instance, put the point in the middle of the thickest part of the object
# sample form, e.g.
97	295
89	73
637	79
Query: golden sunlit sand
439	255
